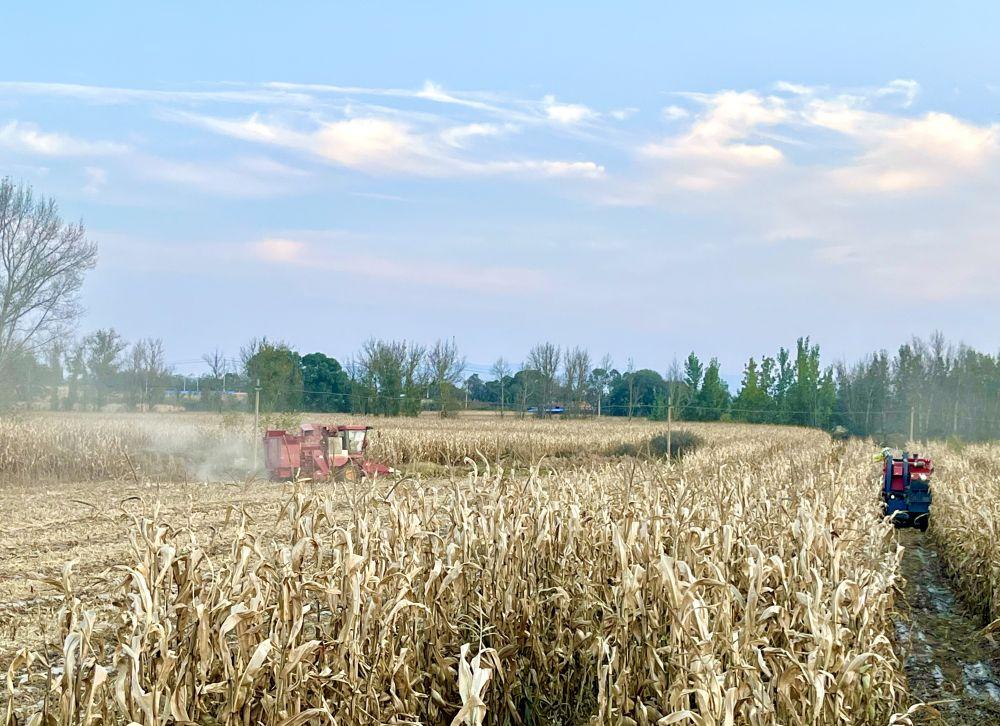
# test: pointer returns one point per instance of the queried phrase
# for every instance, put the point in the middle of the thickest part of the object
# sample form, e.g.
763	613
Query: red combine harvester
906	488
319	452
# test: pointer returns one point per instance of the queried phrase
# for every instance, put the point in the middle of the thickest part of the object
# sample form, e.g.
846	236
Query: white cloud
566	169
907	89
566	113
286	251
369	144
387	146
861	185
903	154
29	138
672	113
622	114
794	88
459	136
717	149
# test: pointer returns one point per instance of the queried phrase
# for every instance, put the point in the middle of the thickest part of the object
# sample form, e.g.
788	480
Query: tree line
930	388
938	388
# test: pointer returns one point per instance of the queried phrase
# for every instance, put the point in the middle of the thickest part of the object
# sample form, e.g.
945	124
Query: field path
947	657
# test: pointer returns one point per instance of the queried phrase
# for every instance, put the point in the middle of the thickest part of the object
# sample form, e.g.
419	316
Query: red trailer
320	452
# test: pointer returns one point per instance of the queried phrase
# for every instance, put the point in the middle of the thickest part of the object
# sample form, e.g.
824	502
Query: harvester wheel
921	523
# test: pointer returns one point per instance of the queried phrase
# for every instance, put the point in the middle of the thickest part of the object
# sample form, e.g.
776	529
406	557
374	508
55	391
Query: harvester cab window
355	441
337	443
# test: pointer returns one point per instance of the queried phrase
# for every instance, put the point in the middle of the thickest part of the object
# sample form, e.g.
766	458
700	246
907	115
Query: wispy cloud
115	95
381	145
97	178
242	177
566	113
29	138
499	280
856	174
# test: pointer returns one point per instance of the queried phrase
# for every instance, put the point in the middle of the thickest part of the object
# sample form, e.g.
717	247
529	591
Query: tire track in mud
946	656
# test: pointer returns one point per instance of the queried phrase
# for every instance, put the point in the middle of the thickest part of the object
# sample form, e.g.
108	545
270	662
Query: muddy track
947	657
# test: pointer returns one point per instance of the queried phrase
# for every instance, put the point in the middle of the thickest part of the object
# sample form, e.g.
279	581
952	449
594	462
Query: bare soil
950	662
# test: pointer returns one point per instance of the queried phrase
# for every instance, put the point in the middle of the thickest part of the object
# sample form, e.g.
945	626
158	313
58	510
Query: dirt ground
46	526
949	661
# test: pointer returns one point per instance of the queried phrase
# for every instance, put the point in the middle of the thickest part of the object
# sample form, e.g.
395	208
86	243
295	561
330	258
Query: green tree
811	396
713	397
275	368
640	391
327	387
693	371
752	404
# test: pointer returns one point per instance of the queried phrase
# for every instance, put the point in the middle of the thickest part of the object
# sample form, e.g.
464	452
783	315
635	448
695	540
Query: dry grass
750	582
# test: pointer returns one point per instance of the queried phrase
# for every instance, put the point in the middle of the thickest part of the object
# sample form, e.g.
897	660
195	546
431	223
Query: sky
642	179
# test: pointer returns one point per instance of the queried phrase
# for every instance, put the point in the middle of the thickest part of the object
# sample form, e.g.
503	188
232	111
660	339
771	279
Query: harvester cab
906	488
319	452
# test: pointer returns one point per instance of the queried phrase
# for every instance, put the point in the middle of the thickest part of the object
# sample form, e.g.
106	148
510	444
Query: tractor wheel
922	522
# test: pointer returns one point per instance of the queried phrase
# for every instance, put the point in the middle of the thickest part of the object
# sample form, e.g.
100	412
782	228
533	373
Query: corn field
751	581
966	521
176	447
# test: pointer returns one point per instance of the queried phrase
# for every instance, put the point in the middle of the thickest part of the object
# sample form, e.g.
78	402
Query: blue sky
640	179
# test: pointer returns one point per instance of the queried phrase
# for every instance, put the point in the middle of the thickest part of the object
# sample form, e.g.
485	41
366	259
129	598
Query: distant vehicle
906	489
551	410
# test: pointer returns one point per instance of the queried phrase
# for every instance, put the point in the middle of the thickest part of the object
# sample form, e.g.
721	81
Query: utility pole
670	420
913	412
256	421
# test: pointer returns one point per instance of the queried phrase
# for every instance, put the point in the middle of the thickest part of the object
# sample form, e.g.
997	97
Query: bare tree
42	264
630	372
389	376
218	367
502	370
444	369
148	367
217	364
248	351
53	360
103	354
75	359
545	358
601	379
576	368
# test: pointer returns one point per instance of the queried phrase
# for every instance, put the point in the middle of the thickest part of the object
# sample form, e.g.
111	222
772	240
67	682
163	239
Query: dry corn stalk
751	582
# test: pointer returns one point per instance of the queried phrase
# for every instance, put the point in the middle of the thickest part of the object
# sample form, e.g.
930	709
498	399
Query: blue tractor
906	489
